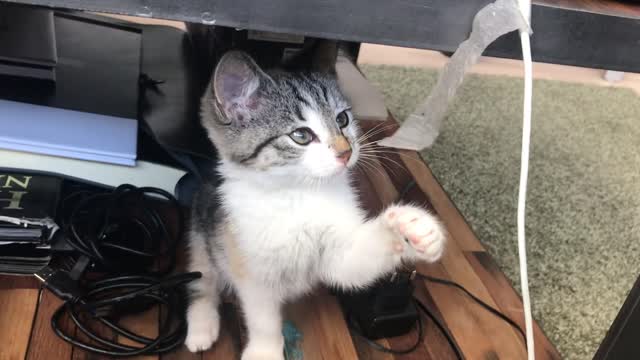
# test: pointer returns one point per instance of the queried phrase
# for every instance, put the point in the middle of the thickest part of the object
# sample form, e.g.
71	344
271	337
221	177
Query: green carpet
583	213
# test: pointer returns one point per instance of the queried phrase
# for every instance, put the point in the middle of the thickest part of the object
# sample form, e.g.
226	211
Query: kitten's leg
202	315
264	322
378	246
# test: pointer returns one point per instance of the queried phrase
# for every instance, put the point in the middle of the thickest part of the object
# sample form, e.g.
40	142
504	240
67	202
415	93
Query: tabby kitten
285	217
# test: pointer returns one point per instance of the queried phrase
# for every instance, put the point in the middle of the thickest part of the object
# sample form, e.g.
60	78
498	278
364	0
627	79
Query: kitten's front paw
258	353
203	326
423	231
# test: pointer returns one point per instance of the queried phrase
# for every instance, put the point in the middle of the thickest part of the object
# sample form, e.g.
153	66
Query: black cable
487	307
441	327
107	300
121	232
355	330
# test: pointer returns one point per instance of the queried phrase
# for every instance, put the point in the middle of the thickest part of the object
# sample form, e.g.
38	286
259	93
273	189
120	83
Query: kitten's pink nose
344	156
342	148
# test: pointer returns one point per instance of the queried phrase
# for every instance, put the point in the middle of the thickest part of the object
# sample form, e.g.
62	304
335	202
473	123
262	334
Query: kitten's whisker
395	151
368	145
377	171
373	162
366	163
377	127
383	159
373	132
376	130
366	168
386	167
371	166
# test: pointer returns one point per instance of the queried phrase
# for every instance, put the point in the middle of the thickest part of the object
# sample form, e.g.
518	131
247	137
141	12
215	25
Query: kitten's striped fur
285	217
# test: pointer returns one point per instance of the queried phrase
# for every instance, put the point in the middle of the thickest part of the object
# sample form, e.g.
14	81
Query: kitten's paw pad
422	230
203	327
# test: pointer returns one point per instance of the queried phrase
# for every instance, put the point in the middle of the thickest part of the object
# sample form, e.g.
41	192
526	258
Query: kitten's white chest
285	233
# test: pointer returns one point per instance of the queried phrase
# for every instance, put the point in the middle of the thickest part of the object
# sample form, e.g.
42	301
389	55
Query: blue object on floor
292	338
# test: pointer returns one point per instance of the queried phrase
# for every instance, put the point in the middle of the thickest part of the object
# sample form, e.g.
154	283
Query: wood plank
459	316
434	340
18	282
324	331
366	351
182	353
44	343
18	302
508	300
408	340
504	338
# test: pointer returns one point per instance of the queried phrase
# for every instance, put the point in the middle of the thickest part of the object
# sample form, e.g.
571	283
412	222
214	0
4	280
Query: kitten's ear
236	82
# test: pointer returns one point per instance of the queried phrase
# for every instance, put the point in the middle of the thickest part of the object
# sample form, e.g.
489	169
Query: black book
27	35
28	205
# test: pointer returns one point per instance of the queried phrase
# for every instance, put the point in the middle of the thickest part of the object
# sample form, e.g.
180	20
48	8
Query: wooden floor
25	311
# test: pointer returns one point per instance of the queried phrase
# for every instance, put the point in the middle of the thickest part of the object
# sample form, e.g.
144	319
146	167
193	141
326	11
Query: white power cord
525	8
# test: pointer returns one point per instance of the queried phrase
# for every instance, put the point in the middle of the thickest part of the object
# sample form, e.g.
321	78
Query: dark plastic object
563	36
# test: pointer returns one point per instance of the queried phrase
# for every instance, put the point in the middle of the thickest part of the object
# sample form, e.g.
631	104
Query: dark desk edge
562	35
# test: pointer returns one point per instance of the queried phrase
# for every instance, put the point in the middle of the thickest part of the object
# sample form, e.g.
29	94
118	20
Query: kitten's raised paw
203	326
422	230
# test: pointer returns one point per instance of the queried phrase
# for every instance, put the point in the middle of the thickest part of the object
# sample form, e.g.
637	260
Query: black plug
384	310
59	282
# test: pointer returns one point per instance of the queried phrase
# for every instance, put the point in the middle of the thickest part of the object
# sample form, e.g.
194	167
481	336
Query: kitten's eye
343	119
302	136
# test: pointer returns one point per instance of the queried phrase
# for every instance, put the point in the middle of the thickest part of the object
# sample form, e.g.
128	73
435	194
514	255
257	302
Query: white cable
525	7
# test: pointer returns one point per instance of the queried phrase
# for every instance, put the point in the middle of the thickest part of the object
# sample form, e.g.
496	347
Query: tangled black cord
107	300
122	232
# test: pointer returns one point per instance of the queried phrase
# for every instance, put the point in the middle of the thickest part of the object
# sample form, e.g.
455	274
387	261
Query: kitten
285	217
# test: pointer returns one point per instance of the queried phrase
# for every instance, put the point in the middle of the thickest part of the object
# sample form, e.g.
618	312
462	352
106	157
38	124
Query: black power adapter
384	310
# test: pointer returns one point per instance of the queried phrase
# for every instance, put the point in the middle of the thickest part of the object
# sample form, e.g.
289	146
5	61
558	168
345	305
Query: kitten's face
295	125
